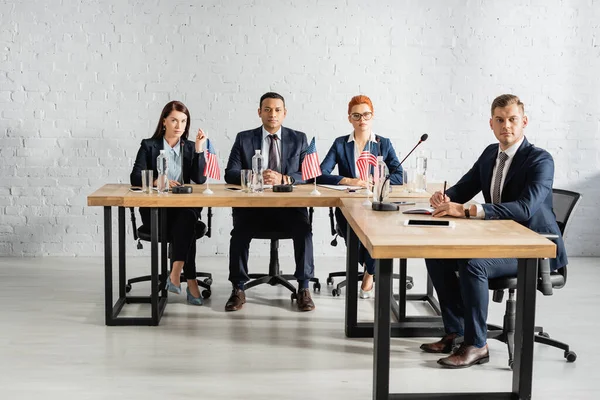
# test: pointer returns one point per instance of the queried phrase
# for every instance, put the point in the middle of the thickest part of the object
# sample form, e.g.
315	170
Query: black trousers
181	233
247	222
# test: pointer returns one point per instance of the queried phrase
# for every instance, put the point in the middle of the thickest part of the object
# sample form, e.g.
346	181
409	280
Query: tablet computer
436	223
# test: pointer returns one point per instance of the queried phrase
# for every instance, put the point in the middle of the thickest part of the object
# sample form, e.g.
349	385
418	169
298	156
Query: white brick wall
81	83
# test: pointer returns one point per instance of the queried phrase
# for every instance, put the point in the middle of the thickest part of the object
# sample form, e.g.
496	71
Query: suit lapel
349	153
517	162
256	145
285	141
487	173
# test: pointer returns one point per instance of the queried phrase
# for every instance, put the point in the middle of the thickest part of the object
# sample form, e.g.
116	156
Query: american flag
310	164
211	170
365	159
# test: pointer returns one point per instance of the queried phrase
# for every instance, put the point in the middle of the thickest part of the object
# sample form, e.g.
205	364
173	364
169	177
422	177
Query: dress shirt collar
176	149
512	150
266	133
371	139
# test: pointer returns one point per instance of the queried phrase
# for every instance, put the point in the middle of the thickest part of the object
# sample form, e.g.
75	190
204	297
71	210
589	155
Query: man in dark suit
516	179
283	151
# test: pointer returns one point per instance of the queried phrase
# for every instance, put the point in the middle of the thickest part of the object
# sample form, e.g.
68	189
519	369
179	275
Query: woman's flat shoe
195	301
170	286
367	294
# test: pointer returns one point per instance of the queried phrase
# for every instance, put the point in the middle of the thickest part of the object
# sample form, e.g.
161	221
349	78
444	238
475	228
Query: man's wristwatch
468	211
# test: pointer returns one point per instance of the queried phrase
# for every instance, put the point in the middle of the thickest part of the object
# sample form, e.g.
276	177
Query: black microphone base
283	188
380	206
181	189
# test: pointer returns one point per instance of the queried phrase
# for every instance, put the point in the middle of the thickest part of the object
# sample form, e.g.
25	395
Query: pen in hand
444	193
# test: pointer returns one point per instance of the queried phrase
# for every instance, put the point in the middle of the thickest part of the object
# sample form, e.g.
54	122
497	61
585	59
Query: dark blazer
526	194
193	163
293	149
342	154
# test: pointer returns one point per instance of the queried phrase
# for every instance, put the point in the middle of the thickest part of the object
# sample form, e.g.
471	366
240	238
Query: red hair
360	99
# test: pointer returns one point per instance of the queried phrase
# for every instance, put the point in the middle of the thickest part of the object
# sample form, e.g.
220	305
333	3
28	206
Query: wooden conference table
119	195
385	237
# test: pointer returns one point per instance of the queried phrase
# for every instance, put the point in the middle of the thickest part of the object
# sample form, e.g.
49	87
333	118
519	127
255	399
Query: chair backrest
564	203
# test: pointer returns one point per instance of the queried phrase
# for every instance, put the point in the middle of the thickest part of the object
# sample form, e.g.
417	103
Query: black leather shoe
466	356
236	300
444	345
304	300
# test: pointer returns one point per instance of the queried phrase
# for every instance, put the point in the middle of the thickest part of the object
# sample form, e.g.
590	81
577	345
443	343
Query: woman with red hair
344	153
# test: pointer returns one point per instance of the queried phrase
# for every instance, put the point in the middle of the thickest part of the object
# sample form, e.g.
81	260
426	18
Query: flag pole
207	190
315	192
368	191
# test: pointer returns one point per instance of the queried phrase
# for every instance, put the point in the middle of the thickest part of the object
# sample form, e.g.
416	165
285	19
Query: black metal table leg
381	339
122	254
524	327
108	295
352	279
154	264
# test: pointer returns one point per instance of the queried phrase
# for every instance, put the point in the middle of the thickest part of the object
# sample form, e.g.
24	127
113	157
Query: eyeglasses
356	116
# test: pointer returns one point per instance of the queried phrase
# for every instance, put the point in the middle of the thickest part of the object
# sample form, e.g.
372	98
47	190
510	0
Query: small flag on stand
211	170
365	159
310	164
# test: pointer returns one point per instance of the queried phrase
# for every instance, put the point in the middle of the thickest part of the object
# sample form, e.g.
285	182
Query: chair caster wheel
208	281
317	287
510	364
335	292
545	334
329	281
409	285
293	297
206	294
570	356
128	288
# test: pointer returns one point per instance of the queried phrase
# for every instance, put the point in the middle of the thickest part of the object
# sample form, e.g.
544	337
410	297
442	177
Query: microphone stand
380	205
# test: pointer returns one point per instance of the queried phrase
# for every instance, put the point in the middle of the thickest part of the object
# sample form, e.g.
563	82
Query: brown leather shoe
236	300
466	356
304	300
444	345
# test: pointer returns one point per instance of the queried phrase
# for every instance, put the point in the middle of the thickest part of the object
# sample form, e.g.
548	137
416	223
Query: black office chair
143	234
564	203
274	276
336	232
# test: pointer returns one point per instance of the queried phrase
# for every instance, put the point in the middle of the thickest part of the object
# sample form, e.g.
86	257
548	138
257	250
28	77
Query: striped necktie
502	157
273	153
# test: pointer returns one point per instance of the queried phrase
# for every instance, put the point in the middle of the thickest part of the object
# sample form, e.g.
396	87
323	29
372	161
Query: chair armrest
332	221
133	224
544	281
209	222
550	236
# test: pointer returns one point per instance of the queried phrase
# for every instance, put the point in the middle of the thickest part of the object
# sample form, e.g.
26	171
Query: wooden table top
385	236
119	195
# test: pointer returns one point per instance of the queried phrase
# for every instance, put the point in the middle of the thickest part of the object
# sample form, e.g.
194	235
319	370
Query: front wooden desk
385	237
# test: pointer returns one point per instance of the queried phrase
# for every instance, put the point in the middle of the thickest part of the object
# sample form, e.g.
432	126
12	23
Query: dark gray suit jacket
293	149
526	194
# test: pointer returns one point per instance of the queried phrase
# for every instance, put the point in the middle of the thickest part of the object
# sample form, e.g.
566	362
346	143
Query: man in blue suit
283	150
516	179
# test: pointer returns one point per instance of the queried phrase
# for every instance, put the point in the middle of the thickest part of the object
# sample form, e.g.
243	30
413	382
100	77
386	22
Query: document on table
342	187
421	210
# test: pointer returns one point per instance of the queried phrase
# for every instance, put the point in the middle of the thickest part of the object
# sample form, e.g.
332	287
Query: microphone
282	188
181	189
380	205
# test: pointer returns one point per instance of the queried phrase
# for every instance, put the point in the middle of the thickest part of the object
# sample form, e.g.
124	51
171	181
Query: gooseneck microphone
282	188
380	205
